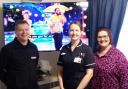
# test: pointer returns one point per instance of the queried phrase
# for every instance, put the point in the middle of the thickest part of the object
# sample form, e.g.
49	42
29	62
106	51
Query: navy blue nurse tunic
75	64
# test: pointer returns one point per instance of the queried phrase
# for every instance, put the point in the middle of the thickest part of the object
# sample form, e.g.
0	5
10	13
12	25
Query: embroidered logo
63	53
33	57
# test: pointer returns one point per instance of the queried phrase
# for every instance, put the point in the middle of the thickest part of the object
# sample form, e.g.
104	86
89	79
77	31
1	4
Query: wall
52	58
1	26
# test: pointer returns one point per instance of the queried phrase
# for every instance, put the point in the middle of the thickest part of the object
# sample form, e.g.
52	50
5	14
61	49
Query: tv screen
41	18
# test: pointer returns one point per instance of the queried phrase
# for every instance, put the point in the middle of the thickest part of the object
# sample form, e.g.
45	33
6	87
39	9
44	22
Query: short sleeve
89	58
60	59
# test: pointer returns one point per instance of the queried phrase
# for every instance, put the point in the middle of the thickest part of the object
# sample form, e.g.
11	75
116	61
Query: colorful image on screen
44	23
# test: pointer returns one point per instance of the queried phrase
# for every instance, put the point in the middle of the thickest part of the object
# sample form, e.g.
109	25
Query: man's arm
60	76
3	63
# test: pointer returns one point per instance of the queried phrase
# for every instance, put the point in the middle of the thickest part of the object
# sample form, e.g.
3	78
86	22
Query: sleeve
60	59
89	58
37	54
3	63
122	68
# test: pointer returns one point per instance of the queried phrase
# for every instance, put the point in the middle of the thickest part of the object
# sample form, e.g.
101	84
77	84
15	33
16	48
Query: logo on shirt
63	53
33	57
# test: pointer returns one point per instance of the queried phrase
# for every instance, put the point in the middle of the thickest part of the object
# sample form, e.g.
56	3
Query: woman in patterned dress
111	71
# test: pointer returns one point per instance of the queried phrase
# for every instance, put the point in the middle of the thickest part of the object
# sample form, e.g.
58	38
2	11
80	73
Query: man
56	23
19	59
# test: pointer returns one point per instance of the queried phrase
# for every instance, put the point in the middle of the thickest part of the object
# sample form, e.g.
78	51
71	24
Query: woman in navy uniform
75	63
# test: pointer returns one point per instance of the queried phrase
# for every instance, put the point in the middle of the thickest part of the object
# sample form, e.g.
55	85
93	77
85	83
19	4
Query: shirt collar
107	54
80	44
18	43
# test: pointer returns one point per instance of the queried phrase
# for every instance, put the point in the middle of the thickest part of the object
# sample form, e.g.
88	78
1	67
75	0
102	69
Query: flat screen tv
39	17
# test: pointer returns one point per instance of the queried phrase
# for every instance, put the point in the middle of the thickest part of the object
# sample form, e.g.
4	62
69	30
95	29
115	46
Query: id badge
77	60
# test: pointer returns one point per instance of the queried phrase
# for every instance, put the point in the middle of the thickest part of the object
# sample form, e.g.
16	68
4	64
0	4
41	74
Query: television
39	15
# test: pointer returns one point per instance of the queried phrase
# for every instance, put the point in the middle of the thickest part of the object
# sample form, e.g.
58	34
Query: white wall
123	37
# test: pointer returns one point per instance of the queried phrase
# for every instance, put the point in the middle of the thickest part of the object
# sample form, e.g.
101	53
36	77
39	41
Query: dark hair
77	23
20	22
106	29
56	9
25	12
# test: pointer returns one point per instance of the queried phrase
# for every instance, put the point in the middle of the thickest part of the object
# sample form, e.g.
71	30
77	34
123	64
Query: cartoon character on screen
56	22
9	22
26	16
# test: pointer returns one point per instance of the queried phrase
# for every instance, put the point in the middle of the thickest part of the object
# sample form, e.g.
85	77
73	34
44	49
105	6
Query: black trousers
58	40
